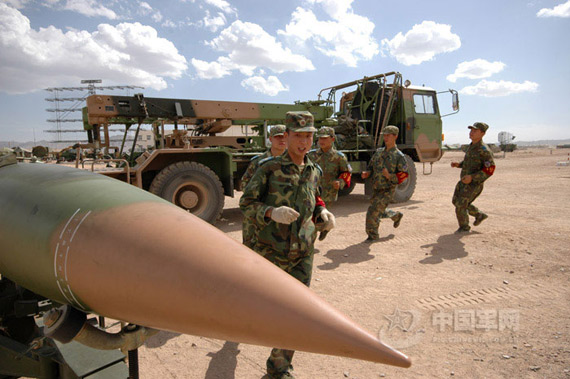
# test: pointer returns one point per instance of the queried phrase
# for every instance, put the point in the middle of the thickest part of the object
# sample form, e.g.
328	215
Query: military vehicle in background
505	142
196	164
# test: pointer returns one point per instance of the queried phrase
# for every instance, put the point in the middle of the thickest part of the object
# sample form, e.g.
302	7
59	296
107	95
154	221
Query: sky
509	59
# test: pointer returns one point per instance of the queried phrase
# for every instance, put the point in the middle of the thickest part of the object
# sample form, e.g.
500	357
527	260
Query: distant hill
547	142
52	145
28	145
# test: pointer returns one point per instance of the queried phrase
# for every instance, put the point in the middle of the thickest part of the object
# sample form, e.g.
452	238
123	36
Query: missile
109	248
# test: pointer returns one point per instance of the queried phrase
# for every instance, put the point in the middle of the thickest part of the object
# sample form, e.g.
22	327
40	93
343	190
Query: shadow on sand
447	247
224	362
160	339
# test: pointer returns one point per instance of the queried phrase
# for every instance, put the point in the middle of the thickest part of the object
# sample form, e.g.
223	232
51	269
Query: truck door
427	126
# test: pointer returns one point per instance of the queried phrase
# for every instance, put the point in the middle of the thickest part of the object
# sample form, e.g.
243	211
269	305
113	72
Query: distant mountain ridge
546	142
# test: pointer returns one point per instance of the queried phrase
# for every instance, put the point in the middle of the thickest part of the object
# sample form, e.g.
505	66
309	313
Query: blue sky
509	59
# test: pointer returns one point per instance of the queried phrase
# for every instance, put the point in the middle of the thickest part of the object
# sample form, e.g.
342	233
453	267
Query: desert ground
494	303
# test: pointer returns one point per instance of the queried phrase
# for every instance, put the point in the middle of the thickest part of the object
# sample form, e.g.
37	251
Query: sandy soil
490	304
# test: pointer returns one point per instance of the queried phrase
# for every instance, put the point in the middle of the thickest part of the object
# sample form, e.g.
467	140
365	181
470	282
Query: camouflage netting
349	134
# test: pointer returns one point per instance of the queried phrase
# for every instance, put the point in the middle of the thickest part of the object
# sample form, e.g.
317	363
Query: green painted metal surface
30	214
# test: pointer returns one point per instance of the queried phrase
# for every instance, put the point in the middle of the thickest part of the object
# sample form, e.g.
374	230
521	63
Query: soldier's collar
286	159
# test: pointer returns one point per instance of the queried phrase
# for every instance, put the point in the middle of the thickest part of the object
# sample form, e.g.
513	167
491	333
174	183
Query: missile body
106	247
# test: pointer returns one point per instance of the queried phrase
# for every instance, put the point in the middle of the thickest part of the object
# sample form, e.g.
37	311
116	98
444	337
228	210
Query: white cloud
18	4
146	9
501	88
223	5
270	86
476	69
210	70
561	10
347	38
335	8
169	24
249	47
422	43
213	23
90	8
123	54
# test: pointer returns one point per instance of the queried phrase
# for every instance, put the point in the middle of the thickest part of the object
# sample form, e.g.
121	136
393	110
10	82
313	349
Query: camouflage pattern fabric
253	165
280	360
278	182
334	165
383	189
248	229
300	121
478	163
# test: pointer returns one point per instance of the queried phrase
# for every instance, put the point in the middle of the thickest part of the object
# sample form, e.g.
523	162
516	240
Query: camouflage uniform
280	182
478	163
383	189
334	165
248	228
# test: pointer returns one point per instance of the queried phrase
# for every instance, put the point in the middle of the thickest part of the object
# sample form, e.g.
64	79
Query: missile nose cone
167	269
107	247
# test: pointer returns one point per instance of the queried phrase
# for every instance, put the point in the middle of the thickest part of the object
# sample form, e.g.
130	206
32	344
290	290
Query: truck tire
346	190
191	186
405	190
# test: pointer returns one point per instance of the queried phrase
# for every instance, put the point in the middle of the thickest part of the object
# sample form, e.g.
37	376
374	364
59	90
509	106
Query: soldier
282	199
476	167
278	146
336	170
389	168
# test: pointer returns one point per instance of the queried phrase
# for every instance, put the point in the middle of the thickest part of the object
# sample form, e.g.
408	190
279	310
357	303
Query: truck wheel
191	186
405	190
346	190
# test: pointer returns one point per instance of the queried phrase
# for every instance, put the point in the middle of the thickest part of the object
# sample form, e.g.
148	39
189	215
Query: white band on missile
60	258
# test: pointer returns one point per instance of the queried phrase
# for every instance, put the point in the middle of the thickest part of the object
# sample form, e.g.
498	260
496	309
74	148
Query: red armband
489	170
401	176
345	176
318	202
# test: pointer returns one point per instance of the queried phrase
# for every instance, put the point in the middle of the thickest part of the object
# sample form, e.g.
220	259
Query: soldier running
335	166
389	168
477	166
282	199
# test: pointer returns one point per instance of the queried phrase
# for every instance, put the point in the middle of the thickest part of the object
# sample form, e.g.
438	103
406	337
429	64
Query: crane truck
195	164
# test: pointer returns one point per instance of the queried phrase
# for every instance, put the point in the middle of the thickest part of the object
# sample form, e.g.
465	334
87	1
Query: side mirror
455	101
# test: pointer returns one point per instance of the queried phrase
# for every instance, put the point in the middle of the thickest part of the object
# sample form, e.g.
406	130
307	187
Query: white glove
328	219
284	215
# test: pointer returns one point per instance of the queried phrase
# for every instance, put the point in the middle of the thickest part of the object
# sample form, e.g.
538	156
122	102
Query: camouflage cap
300	121
325	131
277	130
479	126
391	129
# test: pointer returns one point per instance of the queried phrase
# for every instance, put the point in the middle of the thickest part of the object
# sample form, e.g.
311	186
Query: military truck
195	163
